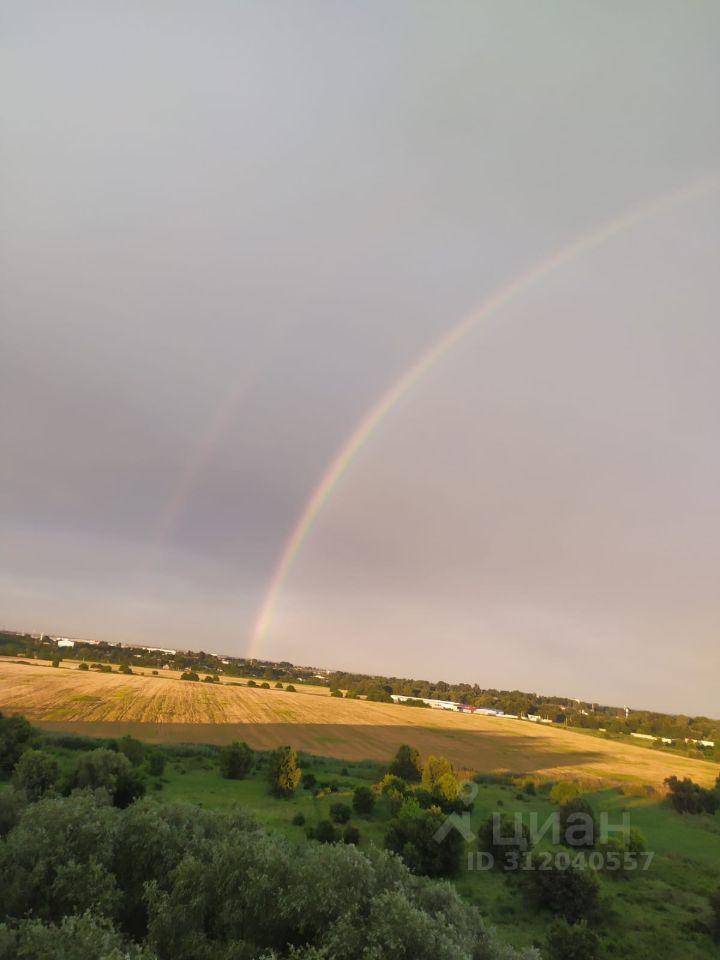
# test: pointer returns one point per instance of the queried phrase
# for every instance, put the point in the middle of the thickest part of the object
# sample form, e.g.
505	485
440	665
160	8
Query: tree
340	812
156	763
111	771
499	836
569	892
363	801
56	661
325	832
715	907
133	749
578	824
127	669
413	835
406	764
74	938
435	768
309	781
379	695
35	773
351	834
334	692
564	791
190	675
283	772
298	820
16	735
236	760
689	797
572	941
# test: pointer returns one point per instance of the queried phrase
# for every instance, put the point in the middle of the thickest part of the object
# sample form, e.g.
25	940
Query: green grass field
662	912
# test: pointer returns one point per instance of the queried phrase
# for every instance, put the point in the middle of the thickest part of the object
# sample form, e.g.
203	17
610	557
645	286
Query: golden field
165	708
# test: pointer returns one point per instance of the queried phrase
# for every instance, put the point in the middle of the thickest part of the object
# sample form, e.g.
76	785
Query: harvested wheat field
164	708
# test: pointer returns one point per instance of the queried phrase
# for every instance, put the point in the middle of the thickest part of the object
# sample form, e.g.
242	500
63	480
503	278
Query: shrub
83	666
278	686
572	941
340	812
283	772
334	692
308	781
236	760
133	749
126	668
434	770
571	892
264	685
16	735
498	836
689	797
412	836
35	773
298	820
715	907
251	683
564	791
111	771
190	675
351	835
578	824
290	688
325	832
363	801
529	788
56	661
406	764
156	763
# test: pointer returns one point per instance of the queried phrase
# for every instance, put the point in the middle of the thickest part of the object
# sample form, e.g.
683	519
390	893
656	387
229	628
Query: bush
351	835
406	764
298	820
715	907
236	760
572	941
412	836
111	771
190	675
126	668
340	812
434	770
290	688
529	788
156	763
55	662
363	801
16	735
325	832
578	824
689	797
251	683
36	772
83	666
278	686
133	749
498	836
265	685
571	893
564	791
308	781
334	692
283	772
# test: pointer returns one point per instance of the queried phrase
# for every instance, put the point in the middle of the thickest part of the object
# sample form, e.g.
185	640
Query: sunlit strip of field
165	708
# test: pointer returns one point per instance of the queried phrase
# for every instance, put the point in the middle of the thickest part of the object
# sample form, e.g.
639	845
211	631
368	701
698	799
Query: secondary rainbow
485	312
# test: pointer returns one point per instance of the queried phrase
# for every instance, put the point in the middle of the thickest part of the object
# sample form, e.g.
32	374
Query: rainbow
349	451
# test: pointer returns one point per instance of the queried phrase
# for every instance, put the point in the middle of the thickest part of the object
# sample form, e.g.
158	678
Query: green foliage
265	685
283	772
83	666
133	749
334	692
406	764
529	788
190	675
290	688
578	824
308	781
395	790
412	835
689	797
75	938
500	836
236	760
715	907
12	804
571	892
363	801
156	763
564	791
251	683
351	834
127	669
35	773
298	820
434	769
379	695
278	685
340	812
55	662
572	941
16	735
110	771
325	832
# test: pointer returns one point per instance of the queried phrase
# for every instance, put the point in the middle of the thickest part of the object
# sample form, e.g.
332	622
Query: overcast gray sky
226	228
